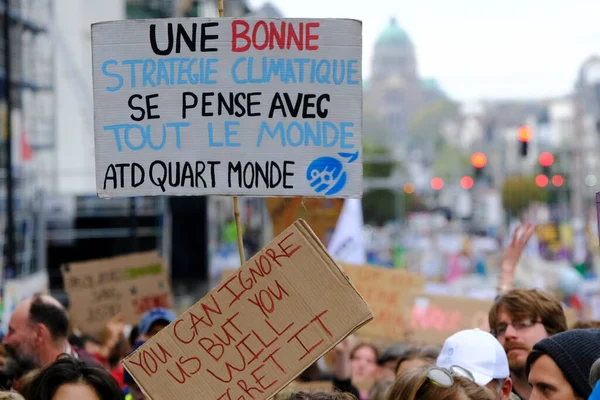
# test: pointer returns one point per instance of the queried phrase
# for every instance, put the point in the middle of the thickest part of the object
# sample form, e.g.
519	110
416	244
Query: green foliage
518	192
383	205
451	162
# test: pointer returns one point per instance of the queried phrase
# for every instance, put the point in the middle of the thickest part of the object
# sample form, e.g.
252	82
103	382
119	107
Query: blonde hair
405	385
11	396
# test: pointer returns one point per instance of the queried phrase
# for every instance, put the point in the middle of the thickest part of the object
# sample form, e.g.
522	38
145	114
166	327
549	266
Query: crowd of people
529	353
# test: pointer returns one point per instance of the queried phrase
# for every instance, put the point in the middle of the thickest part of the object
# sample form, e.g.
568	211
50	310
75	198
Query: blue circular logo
326	174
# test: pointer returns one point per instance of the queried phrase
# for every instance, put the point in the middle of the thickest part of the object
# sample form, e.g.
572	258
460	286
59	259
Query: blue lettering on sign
327	176
319	134
168	71
142	135
295	70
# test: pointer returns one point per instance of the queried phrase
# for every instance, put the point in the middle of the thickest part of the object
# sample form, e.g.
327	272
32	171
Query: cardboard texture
100	289
384	289
256	331
228	106
433	318
320	214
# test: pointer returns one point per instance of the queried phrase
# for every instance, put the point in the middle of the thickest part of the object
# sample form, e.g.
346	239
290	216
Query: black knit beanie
574	352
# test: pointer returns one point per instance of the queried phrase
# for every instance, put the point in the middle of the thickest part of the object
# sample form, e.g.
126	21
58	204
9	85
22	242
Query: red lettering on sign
285	35
147	359
143	304
182	371
314	346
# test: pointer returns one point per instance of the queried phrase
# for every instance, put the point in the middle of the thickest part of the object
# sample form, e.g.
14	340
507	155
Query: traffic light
437	183
546	160
466	182
478	160
524	134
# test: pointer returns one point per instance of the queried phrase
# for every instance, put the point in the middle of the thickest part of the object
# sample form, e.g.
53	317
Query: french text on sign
258	329
171	93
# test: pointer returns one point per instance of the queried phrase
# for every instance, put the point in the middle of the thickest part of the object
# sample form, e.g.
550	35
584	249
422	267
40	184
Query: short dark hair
52	316
67	370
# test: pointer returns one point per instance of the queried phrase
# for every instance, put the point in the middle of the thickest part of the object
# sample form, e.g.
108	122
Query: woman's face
364	364
75	391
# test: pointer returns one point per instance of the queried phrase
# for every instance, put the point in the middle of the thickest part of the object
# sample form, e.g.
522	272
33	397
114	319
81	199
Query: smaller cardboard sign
385	291
100	289
256	331
433	318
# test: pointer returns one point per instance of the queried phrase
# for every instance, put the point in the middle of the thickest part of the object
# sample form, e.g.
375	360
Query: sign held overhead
255	107
256	331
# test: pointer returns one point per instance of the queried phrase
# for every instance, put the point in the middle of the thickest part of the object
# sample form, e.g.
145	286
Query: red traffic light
558	180
546	159
478	160
524	134
541	180
466	182
437	183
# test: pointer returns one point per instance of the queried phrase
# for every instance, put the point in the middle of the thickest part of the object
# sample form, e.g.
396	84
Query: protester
68	378
434	383
559	366
364	362
519	319
481	354
389	360
417	357
37	333
595	373
380	389
154	321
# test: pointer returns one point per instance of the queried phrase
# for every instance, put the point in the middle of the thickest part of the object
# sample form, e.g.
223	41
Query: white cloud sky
479	49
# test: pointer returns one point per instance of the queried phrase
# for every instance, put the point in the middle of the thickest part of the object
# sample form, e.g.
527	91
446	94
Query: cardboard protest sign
433	318
320	214
100	289
385	291
255	332
228	106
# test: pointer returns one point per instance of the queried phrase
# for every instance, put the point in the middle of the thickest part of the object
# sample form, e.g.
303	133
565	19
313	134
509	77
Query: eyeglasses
441	377
517	325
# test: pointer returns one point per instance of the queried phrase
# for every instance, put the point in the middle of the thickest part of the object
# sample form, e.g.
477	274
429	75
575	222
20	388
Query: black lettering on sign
269	175
183	35
234	104
143	111
304	103
181	174
118	178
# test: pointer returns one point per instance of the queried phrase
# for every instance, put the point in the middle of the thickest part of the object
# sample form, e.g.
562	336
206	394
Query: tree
518	192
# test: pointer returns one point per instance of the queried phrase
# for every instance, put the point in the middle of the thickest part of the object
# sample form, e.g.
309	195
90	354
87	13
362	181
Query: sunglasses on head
441	377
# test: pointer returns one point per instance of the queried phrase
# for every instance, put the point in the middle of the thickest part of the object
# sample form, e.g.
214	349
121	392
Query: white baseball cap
478	352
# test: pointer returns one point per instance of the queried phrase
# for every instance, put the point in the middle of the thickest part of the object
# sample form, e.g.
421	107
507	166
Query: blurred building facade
395	89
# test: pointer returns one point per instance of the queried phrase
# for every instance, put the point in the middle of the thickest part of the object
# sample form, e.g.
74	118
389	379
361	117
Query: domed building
394	90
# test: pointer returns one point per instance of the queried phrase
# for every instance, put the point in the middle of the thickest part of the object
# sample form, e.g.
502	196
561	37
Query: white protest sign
257	107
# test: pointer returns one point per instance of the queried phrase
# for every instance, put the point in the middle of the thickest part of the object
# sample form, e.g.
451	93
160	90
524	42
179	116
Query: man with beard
37	333
519	319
